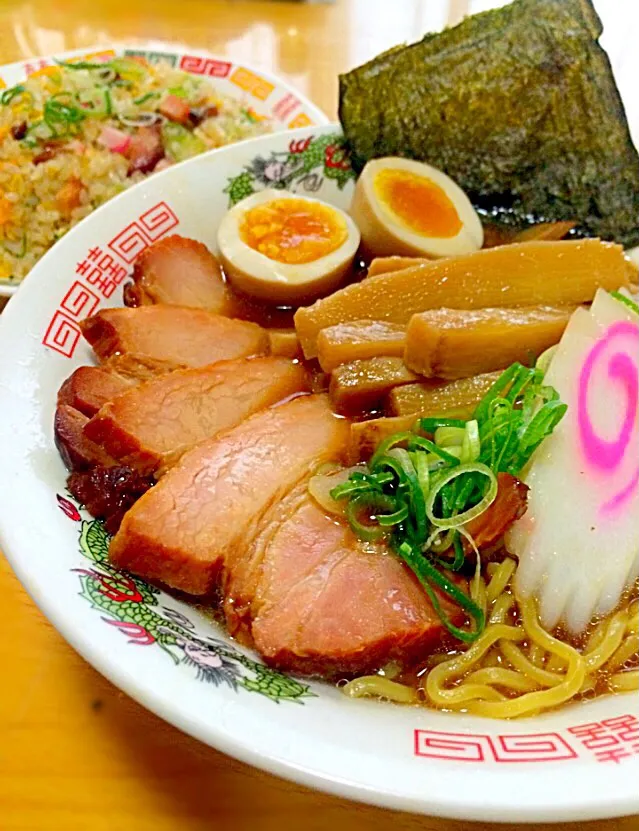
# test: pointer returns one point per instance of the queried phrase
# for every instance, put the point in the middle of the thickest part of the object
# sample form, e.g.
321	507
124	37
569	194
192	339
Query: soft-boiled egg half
286	248
411	209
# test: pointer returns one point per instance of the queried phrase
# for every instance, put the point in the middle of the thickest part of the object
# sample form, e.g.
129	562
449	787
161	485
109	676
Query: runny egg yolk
293	231
419	203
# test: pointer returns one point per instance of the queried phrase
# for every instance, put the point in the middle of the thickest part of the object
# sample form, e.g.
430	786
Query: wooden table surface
75	753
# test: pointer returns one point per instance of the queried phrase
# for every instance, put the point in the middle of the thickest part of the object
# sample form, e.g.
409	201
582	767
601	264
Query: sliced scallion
428	575
148	96
470	513
10	94
447	436
429	425
371	504
627	301
423	486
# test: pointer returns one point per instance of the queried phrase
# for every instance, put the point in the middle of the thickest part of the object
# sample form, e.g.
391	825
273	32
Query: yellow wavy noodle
500	578
492	658
536	655
478	592
614	632
554	663
380	687
626	651
517	668
624	681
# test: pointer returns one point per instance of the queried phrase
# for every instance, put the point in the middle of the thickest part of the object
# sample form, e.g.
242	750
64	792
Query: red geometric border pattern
80	301
140	233
62	335
532	747
611	740
458	747
205	66
130	242
516	747
158	220
104	274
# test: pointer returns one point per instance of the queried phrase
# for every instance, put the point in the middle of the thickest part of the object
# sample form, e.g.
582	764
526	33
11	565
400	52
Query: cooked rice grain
35	211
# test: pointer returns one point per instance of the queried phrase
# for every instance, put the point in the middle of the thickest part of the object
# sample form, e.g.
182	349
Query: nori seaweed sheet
518	105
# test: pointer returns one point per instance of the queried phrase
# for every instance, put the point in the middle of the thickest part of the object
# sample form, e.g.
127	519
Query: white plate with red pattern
578	763
264	94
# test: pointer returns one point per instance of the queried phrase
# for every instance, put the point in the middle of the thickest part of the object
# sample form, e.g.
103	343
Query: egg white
384	233
257	275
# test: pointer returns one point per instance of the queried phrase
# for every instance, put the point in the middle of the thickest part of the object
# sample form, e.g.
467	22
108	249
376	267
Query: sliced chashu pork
77	451
327	603
240	582
137	368
150	426
90	387
179	272
108	492
188	337
203	514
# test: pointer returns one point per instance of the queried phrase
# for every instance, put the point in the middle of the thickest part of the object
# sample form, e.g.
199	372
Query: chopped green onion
20	252
385	445
360	483
96	102
82	64
420	463
448	455
422	492
429	425
451	539
38	131
62	113
440	540
460	557
496	391
146	97
464	492
447	436
249	116
540	426
627	301
372	504
127	68
543	361
427	574
460	519
181	143
415	493
349	488
471	445
388	520
13	92
437	460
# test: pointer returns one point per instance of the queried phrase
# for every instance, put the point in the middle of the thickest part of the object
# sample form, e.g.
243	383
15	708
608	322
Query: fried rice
70	140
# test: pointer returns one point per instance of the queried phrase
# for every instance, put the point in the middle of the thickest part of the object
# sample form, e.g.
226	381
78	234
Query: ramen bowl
577	763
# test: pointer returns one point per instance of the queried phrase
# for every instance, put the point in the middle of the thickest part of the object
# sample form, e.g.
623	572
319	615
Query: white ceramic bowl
575	764
263	93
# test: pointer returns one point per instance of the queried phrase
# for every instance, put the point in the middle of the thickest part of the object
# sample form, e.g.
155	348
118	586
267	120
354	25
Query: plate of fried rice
78	128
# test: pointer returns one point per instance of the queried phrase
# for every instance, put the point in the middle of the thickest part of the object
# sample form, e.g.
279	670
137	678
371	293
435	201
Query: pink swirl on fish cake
605	454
